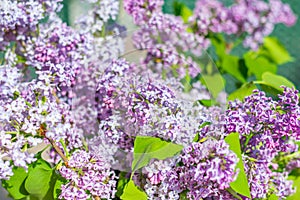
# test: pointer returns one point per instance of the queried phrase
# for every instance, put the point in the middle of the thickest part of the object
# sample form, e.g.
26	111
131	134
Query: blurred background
288	36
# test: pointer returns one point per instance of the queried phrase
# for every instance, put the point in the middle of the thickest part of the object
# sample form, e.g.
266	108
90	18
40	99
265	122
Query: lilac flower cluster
59	51
103	41
155	175
130	104
262	16
165	38
13	147
262	117
263	181
202	174
141	10
268	131
88	176
202	170
20	18
30	112
43	108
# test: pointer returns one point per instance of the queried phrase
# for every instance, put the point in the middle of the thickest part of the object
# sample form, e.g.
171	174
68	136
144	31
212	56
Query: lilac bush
80	121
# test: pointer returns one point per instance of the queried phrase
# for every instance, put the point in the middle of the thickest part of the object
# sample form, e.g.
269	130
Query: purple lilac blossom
204	170
165	38
87	172
59	50
259	115
19	19
25	108
130	104
268	130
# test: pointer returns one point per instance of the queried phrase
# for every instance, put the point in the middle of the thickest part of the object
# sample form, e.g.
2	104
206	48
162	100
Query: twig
58	150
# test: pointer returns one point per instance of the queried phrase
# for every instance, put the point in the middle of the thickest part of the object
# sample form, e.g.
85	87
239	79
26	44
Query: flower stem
58	150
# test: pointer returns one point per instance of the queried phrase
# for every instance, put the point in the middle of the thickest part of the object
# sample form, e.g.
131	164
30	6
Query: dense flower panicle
155	186
108	86
18	13
29	112
87	172
19	19
131	105
277	122
268	131
141	10
74	93
165	38
205	170
212	16
263	181
103	42
59	50
12	149
283	187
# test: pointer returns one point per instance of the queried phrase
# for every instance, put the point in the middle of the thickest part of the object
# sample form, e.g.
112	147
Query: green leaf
273	197
121	183
296	184
219	43
214	83
208	102
275	81
258	65
185	13
242	92
147	148
231	65
57	187
240	185
186	82
38	181
132	192
275	51
15	185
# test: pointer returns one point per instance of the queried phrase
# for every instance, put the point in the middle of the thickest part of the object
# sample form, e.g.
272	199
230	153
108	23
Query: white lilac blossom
103	42
88	176
105	39
13	153
9	79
